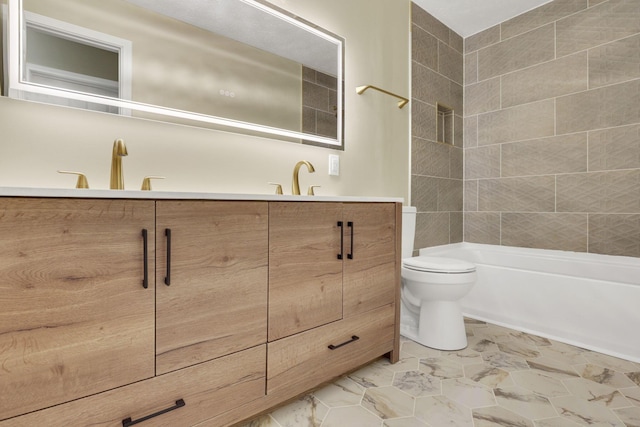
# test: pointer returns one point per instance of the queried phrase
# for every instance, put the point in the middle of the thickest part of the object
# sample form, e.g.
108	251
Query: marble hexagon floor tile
634	376
354	416
564	353
488	375
404	422
505	361
388	402
464	357
468	392
442	411
416	383
585	413
524	402
596	393
343	392
632	394
521	349
629	416
481	344
611	362
306	411
540	383
373	375
442	368
497	416
553	368
413	349
504	378
604	376
555	422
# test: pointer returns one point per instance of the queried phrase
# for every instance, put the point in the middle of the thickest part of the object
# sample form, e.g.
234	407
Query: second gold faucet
295	184
117	176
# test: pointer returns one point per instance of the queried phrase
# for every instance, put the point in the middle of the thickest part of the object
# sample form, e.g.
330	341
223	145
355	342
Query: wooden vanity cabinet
344	250
75	318
247	305
211	290
305	272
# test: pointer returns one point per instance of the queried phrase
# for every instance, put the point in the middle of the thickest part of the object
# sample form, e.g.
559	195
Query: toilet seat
430	264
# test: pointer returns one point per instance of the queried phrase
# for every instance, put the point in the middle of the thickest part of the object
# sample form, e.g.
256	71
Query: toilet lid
438	264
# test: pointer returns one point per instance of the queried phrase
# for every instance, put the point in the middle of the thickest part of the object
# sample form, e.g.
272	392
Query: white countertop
178	195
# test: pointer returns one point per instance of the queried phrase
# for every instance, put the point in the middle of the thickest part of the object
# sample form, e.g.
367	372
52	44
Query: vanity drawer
300	362
207	390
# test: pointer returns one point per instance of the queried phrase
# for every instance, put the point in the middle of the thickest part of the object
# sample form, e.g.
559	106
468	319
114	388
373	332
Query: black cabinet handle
145	250
340	224
353	338
167	279
129	422
350	225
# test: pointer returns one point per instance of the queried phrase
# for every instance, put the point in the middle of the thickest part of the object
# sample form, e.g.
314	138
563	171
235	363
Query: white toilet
431	290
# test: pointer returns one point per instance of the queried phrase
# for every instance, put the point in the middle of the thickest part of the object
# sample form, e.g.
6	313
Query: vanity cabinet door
211	290
305	273
75	318
370	264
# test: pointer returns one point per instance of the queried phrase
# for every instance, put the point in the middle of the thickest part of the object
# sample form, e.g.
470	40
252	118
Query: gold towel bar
403	101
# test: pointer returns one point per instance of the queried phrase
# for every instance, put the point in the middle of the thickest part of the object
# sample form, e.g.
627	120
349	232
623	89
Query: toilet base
441	326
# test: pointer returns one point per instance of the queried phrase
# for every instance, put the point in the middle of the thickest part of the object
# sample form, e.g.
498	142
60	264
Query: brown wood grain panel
303	361
369	277
74	317
208	389
217	299
305	275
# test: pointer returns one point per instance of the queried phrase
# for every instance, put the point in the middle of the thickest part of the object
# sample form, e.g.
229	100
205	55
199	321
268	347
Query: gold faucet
117	177
295	186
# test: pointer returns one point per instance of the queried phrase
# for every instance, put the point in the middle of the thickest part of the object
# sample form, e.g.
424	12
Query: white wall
36	140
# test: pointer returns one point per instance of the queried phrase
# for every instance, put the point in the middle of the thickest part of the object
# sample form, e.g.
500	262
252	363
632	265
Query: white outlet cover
334	165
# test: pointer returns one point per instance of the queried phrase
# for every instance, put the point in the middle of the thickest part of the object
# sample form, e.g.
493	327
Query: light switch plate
334	165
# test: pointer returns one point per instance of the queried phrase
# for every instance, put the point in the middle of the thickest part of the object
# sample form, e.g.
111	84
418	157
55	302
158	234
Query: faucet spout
295	185
117	176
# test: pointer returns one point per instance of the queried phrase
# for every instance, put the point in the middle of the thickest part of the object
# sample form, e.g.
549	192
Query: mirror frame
16	84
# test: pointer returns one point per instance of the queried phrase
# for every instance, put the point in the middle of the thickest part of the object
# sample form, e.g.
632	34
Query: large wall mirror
239	65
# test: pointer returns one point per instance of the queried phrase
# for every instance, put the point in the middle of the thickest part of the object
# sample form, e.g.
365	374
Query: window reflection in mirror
74	58
177	66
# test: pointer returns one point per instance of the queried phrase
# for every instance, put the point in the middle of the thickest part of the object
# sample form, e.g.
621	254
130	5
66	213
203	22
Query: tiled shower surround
436	168
551	130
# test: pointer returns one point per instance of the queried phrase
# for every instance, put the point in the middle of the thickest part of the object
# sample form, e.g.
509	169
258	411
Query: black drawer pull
145	250
128	422
340	224
350	225
353	338
167	279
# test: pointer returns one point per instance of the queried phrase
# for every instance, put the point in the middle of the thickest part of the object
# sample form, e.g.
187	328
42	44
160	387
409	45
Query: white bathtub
588	300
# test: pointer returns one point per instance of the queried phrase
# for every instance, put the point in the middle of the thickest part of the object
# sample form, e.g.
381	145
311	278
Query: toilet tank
408	230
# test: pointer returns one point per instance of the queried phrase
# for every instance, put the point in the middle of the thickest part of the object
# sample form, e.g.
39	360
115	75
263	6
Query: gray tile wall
319	100
436	168
552	129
